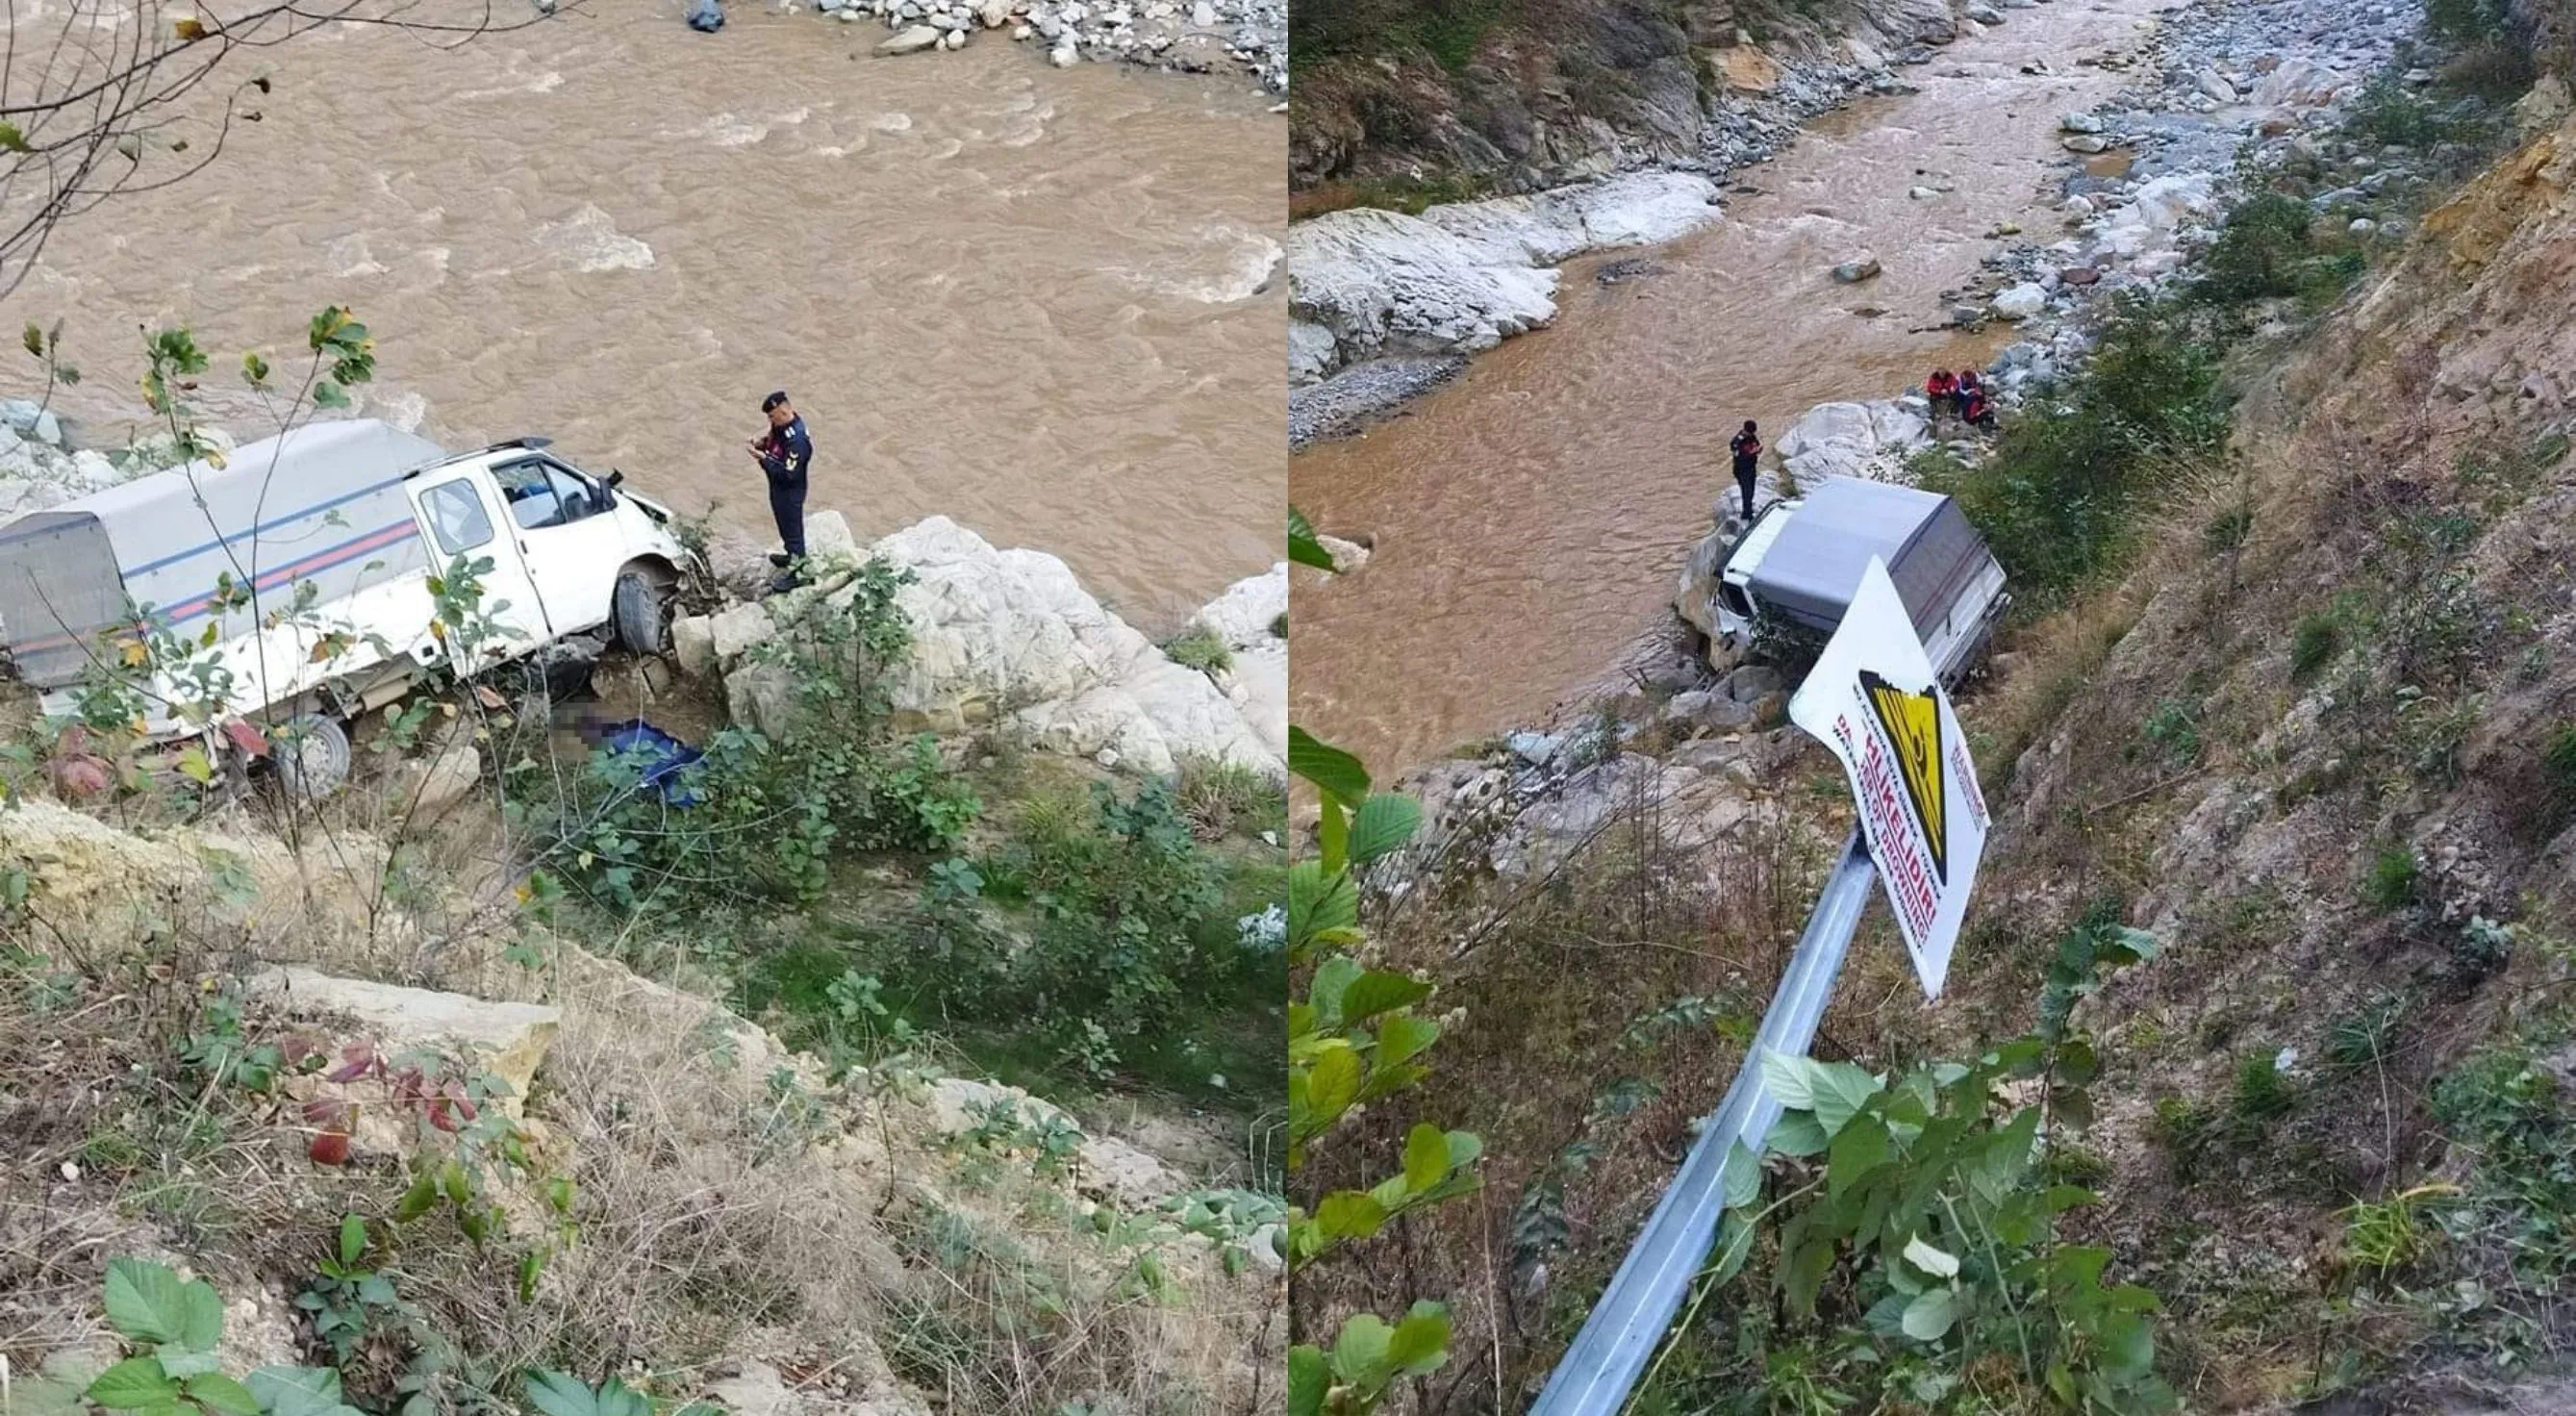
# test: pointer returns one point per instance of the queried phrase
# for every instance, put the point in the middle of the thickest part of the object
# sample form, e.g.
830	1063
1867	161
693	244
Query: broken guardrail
1875	702
1638	1306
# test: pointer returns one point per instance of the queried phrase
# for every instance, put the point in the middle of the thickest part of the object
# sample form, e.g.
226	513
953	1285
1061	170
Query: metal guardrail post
1606	1357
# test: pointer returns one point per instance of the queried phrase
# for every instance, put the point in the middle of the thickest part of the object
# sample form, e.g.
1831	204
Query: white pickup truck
1800	561
339	526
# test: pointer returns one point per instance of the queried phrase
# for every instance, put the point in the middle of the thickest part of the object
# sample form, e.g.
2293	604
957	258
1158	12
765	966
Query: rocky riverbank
1459	279
45	459
1383	305
2228	93
1009	641
1178	36
1004	639
2235	93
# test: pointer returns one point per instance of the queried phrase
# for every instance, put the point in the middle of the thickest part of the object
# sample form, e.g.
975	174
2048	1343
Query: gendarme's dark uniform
785	455
1748	463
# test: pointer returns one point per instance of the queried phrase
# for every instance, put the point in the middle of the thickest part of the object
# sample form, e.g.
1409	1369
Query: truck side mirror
615	477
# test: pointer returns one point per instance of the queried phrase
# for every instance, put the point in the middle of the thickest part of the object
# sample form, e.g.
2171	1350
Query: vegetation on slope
674	1195
2284	692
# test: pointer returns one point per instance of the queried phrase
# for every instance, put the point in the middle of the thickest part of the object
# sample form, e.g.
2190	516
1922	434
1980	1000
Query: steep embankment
1491	95
2333	769
2303	709
631	1180
389	1072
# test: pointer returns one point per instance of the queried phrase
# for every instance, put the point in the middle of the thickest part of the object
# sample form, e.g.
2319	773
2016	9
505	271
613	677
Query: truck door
464	516
572	545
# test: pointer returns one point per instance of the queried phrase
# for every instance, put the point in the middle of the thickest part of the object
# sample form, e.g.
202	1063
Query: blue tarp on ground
706	16
664	758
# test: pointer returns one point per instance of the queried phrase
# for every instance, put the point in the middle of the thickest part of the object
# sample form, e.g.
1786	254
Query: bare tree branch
101	99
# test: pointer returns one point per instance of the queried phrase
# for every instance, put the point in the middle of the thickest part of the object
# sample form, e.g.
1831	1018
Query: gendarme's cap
770	404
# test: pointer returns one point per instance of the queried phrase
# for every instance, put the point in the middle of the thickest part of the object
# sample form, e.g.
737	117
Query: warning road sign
1912	722
1874	700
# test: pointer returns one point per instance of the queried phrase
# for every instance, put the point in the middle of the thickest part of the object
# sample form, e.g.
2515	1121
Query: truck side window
531	496
456	515
1735	600
579	497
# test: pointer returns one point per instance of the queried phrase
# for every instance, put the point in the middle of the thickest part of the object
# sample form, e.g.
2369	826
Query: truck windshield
543	493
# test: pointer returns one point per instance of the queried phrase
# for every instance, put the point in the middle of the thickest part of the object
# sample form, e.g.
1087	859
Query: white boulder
2157	212
1243	615
507	1040
1257	681
1380	282
1011	635
1852	440
2300	83
1312	354
910	40
1461	278
1545	228
1107	1167
2020	302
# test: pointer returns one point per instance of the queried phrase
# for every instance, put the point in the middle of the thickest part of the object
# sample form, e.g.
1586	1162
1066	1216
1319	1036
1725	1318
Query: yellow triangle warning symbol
1912	722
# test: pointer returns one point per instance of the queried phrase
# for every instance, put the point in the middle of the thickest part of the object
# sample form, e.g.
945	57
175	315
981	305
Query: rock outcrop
43	464
1870	440
1005	639
506	1040
1249	618
1461	278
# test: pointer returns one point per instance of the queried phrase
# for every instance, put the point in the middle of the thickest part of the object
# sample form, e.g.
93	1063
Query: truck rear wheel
641	610
311	754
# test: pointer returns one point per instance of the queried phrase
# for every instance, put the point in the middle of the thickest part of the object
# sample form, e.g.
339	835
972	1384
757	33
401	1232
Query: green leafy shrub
1222	799
2188	1132
1355	1040
1913	1223
2479	951
343	1299
769	818
2506	1111
1198	648
762	816
2389	114
2263	250
2499	54
2395	1234
2467	20
2558	774
2313	644
2364	1038
2395	881
2261	1093
2228	530
1119	889
2175	728
2056	499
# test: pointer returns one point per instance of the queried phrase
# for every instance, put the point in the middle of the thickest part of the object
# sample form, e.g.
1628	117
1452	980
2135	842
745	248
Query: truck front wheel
311	754
642	612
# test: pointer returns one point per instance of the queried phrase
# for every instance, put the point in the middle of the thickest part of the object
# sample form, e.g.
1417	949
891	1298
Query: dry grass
732	1205
1628	965
2249	861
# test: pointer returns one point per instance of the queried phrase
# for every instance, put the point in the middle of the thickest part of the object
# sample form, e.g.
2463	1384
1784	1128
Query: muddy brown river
1530	518
1036	300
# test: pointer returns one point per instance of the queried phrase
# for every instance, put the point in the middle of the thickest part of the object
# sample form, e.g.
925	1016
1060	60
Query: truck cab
302	580
1800	561
565	545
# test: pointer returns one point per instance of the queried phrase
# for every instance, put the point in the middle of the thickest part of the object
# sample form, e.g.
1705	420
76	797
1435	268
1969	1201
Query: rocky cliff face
2351	824
1539	98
